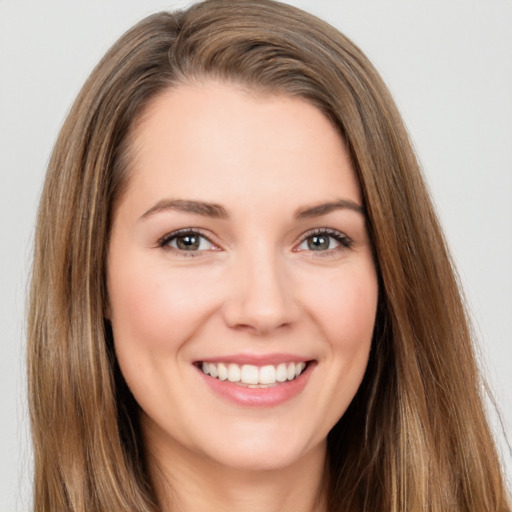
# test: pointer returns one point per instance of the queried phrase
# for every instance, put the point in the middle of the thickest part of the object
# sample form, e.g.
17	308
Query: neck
188	482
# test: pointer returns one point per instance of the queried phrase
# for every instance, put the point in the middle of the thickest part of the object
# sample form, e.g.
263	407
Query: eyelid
344	240
163	242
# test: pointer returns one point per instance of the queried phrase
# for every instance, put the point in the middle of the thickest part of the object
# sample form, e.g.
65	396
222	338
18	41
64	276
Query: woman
237	287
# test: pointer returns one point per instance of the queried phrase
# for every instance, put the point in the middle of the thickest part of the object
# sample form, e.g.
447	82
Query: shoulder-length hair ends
399	446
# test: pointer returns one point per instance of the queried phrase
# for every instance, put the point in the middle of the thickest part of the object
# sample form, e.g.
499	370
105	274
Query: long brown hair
415	437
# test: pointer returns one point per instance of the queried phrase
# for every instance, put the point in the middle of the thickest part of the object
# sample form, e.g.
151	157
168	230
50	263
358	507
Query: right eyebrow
324	208
188	206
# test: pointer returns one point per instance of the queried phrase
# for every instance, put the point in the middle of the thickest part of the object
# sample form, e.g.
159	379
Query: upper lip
256	359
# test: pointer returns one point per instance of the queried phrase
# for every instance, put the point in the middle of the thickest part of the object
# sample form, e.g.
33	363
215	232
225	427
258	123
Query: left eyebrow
325	208
188	206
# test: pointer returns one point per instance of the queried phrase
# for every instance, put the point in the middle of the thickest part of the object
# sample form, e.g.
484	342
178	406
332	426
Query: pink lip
256	359
258	397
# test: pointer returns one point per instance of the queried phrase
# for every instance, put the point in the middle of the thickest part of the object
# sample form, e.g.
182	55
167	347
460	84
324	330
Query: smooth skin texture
261	272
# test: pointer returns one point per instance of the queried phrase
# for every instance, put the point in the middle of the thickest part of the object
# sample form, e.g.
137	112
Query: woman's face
240	249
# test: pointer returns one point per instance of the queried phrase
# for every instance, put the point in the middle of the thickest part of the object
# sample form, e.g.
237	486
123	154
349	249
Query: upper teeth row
250	374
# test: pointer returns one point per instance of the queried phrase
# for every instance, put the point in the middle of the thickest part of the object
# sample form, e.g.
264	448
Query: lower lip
259	397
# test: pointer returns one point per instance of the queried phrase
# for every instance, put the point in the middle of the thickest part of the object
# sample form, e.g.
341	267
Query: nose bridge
261	293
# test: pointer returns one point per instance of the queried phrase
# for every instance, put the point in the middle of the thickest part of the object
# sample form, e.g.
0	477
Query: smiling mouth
248	375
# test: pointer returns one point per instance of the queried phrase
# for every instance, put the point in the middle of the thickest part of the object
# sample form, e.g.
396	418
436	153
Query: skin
254	286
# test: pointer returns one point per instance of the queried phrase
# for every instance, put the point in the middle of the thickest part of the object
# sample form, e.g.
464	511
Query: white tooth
299	367
233	373
249	374
205	368
223	371
281	372
213	370
267	375
290	371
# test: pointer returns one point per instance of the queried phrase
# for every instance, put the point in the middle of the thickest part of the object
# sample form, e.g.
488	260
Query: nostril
259	319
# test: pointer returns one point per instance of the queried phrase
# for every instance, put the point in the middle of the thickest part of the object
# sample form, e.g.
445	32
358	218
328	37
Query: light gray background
448	64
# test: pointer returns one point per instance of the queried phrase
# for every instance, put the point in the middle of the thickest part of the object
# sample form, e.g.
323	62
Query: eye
324	240
187	241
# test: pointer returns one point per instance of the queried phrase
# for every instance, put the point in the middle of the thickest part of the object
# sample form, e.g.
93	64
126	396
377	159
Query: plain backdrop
448	64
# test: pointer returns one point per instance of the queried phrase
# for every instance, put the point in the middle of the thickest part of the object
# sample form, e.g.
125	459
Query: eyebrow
188	206
217	211
325	208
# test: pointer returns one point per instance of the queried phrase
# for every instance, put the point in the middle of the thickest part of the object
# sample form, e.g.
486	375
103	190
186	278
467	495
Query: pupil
188	242
318	243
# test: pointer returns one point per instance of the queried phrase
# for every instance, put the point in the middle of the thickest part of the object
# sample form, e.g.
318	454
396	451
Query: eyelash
168	238
344	241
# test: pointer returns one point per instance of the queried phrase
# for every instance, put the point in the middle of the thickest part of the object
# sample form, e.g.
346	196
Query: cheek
155	310
345	308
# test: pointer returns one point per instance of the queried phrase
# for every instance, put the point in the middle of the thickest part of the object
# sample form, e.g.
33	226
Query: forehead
217	139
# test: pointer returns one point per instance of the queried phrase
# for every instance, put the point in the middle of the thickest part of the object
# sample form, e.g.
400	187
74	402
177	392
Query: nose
261	294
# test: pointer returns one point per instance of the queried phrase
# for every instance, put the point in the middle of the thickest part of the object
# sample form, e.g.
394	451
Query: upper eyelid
162	241
344	240
324	231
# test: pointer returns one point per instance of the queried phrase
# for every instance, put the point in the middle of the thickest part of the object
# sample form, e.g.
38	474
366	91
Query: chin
261	453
